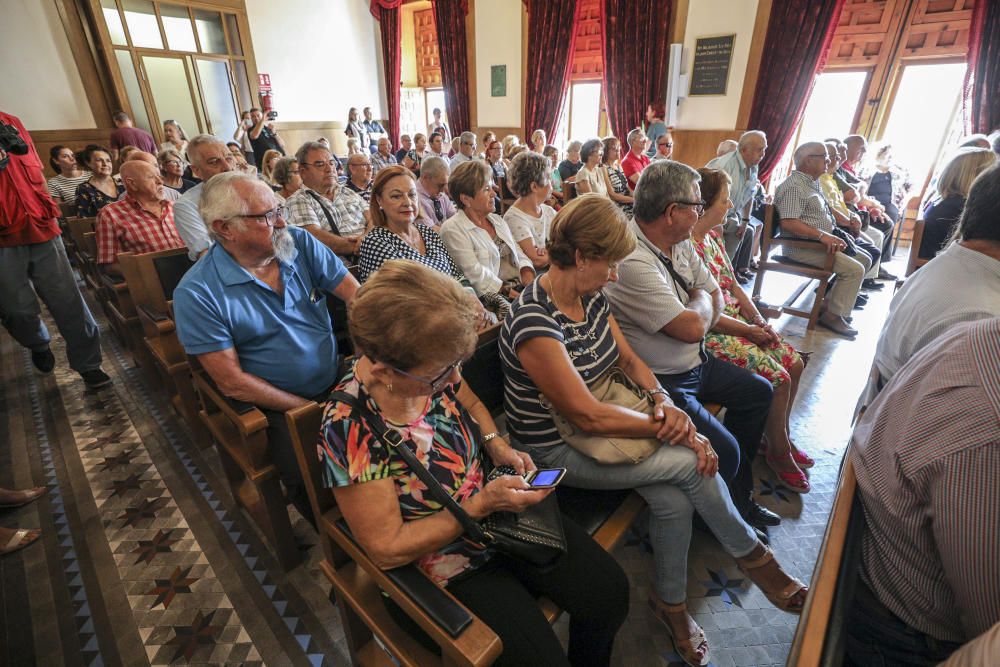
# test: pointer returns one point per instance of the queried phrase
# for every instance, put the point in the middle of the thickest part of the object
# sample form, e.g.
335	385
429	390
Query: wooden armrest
113	282
152	315
247	418
805	244
476	645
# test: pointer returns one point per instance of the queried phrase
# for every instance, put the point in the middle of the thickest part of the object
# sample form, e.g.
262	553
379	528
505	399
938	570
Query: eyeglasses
822	155
363	165
270	217
322	164
438	383
668	144
174	163
697	206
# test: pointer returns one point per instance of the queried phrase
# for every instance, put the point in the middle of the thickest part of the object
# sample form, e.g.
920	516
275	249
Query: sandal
16	540
24	497
795	480
693	650
802	459
782	599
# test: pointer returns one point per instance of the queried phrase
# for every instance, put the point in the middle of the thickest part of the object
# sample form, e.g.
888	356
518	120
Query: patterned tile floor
145	560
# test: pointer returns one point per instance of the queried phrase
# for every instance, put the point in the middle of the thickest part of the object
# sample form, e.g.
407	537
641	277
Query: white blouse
476	253
594	178
524	226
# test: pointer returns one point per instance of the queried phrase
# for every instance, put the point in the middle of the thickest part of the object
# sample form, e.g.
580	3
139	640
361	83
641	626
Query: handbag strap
392	439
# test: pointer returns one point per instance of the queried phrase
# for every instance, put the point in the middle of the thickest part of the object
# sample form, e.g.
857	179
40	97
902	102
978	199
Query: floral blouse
446	440
90	200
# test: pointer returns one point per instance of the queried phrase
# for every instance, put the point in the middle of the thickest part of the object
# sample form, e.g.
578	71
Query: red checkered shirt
125	226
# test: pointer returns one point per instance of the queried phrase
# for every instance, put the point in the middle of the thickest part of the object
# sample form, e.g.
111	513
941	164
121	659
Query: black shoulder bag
534	536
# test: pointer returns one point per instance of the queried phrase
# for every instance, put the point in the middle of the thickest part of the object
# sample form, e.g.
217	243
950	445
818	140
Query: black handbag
534	535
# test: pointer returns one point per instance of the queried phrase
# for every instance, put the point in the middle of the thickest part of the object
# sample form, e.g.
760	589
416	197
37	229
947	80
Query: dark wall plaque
712	58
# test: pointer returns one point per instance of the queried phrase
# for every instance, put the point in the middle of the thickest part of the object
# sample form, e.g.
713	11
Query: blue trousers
747	399
42	270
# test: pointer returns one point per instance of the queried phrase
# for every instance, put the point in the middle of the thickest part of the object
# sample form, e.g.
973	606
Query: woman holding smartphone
412	328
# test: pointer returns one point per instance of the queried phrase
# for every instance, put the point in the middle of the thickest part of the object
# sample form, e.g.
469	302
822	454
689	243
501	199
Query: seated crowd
638	276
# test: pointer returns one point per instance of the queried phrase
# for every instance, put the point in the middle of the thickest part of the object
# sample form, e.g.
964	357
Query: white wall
498	42
324	56
41	83
707	18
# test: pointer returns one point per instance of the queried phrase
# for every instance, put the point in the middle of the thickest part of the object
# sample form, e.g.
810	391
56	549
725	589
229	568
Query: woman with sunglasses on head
70	175
407	374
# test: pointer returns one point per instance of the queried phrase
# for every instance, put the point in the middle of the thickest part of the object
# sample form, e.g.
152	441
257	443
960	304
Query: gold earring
389	387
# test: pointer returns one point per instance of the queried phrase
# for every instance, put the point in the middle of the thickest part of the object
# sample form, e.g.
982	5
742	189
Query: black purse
534	535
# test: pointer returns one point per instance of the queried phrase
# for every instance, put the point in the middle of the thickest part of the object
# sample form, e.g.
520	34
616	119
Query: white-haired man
740	230
253	311
466	150
805	214
209	156
636	160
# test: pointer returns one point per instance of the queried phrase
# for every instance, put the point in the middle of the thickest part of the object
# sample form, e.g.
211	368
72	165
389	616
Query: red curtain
981	101
375	5
636	50
551	39
391	30
449	20
798	40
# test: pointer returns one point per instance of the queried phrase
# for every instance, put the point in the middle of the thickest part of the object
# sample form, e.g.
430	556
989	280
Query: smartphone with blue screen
545	478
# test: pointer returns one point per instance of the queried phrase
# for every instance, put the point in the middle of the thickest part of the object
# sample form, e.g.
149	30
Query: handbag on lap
617	388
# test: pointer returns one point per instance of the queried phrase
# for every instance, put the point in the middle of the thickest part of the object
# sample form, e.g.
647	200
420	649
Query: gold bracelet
490	436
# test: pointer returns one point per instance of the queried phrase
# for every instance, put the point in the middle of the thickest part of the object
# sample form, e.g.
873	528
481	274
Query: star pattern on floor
148	549
166	589
145	511
188	638
120	487
723	587
115	460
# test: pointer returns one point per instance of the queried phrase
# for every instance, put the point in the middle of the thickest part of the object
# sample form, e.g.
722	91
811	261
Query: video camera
11	142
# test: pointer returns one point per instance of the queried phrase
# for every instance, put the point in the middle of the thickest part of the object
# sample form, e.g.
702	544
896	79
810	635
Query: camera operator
263	136
33	261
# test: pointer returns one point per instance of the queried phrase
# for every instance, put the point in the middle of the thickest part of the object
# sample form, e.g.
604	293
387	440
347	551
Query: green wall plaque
498	81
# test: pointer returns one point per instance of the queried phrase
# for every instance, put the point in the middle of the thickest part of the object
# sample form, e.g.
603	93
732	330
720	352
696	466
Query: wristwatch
656	390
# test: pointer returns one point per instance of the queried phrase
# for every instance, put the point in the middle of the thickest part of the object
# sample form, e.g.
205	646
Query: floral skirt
772	364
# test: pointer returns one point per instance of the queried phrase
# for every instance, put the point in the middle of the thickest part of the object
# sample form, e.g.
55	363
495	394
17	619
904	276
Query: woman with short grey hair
529	218
286	176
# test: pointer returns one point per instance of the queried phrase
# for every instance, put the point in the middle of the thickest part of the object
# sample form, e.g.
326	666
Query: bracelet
656	390
489	436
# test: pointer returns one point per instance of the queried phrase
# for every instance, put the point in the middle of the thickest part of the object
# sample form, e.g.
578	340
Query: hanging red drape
798	40
981	101
375	5
551	40
391	30
636	50
449	20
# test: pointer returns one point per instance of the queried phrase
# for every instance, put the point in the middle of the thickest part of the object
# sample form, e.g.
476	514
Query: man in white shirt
209	156
466	150
961	284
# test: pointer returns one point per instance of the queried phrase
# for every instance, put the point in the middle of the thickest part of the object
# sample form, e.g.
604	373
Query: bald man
168	193
142	221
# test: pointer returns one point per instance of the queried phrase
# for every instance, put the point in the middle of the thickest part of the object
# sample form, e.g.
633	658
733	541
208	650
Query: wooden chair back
914	261
769	241
820	637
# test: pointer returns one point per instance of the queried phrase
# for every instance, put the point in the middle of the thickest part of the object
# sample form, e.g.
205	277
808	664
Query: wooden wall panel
588	53
696	147
76	139
428	58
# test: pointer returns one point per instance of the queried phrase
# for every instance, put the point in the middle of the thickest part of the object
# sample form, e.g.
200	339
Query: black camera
271	115
11	142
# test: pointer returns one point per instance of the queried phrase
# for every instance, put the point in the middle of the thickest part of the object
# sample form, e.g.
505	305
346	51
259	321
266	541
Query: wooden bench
358	582
781	264
914	261
820	636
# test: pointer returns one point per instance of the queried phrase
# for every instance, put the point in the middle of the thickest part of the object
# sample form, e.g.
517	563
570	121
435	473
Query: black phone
545	478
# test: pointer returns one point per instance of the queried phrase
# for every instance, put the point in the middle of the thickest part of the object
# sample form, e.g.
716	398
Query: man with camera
33	261
263	136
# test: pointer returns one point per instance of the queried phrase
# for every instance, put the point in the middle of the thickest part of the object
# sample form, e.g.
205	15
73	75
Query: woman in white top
63	187
529	218
590	177
538	141
176	138
479	240
354	127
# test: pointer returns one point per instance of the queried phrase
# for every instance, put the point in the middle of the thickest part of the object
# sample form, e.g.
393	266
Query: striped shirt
63	189
959	285
590	345
927	457
125	226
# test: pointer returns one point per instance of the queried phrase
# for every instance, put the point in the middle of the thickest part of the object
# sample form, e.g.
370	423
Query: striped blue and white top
590	345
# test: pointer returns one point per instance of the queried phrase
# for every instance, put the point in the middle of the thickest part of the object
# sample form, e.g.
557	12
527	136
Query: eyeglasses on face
668	144
363	165
436	384
323	164
697	206
270	217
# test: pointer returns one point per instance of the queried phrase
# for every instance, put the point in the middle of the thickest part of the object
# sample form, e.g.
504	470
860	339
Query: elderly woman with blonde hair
560	346
413	327
942	213
172	170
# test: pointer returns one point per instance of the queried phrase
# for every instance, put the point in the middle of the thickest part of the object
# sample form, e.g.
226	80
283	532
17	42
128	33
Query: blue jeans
669	482
878	638
28	272
747	399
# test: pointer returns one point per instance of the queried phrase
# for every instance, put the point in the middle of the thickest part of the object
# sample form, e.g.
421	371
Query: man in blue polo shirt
253	310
